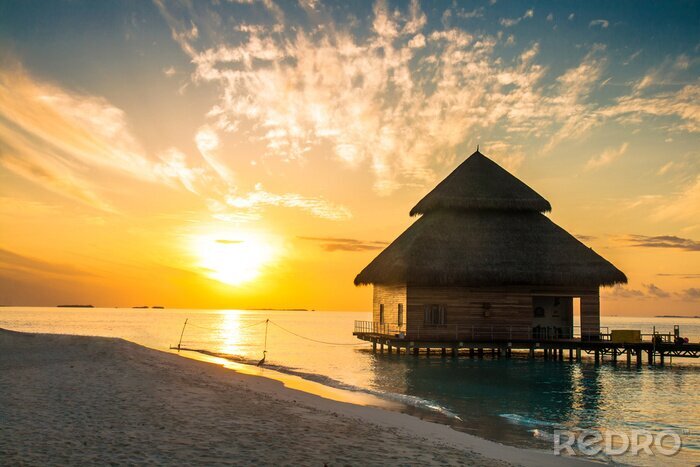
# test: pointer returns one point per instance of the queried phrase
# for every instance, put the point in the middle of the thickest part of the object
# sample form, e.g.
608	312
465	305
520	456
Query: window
381	313
400	314
434	315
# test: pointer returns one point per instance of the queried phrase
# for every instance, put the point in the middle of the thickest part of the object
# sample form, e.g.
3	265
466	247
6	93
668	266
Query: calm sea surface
516	401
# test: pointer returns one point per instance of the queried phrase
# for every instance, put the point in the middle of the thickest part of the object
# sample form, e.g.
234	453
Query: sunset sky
260	153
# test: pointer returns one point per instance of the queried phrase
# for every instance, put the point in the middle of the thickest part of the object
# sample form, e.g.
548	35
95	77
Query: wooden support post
415	351
597	356
561	354
427	351
381	347
661	358
614	355
545	353
481	352
590	316
471	352
444	351
639	356
578	354
571	354
388	348
374	346
629	357
650	357
454	352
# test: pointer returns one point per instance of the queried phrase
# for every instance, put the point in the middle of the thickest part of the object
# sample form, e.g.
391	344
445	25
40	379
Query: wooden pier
502	341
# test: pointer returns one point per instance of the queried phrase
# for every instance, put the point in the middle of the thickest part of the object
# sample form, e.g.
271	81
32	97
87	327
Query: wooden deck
501	341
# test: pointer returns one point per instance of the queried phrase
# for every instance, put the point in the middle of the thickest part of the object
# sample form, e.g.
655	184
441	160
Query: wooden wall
390	297
507	306
466	306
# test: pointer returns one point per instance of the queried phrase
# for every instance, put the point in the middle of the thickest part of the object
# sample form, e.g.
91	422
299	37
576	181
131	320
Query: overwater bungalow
484	261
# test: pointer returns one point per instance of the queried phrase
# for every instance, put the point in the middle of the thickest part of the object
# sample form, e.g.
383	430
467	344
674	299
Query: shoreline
94	399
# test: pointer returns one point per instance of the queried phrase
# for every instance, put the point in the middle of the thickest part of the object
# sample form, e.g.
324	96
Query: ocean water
517	401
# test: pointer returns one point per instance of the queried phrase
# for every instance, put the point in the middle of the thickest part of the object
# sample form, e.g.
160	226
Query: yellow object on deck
626	336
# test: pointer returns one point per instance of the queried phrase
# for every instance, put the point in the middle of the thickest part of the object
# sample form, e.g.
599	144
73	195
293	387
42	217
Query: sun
233	258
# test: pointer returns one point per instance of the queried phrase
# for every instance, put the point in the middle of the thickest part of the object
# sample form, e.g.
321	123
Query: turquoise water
516	401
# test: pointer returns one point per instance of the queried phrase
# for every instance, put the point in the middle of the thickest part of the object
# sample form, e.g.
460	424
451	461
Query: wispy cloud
510	22
57	139
656	291
400	98
681	275
684	205
17	263
692	293
650	291
619	291
662	241
346	244
252	202
60	139
606	157
599	23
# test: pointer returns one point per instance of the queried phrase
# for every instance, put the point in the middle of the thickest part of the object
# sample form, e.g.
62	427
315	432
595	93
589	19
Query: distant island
676	316
140	307
75	306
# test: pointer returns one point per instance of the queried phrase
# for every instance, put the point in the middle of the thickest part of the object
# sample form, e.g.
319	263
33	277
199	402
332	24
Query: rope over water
267	325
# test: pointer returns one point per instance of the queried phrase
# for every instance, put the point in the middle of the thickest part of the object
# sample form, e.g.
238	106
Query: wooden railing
374	327
465	332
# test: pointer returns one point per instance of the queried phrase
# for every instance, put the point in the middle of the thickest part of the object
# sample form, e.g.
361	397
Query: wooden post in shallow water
182	334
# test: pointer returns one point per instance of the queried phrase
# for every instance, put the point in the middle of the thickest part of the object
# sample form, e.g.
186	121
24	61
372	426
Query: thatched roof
480	183
492	244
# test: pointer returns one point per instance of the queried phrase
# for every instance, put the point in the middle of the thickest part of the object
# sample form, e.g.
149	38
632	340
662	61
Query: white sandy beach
67	400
